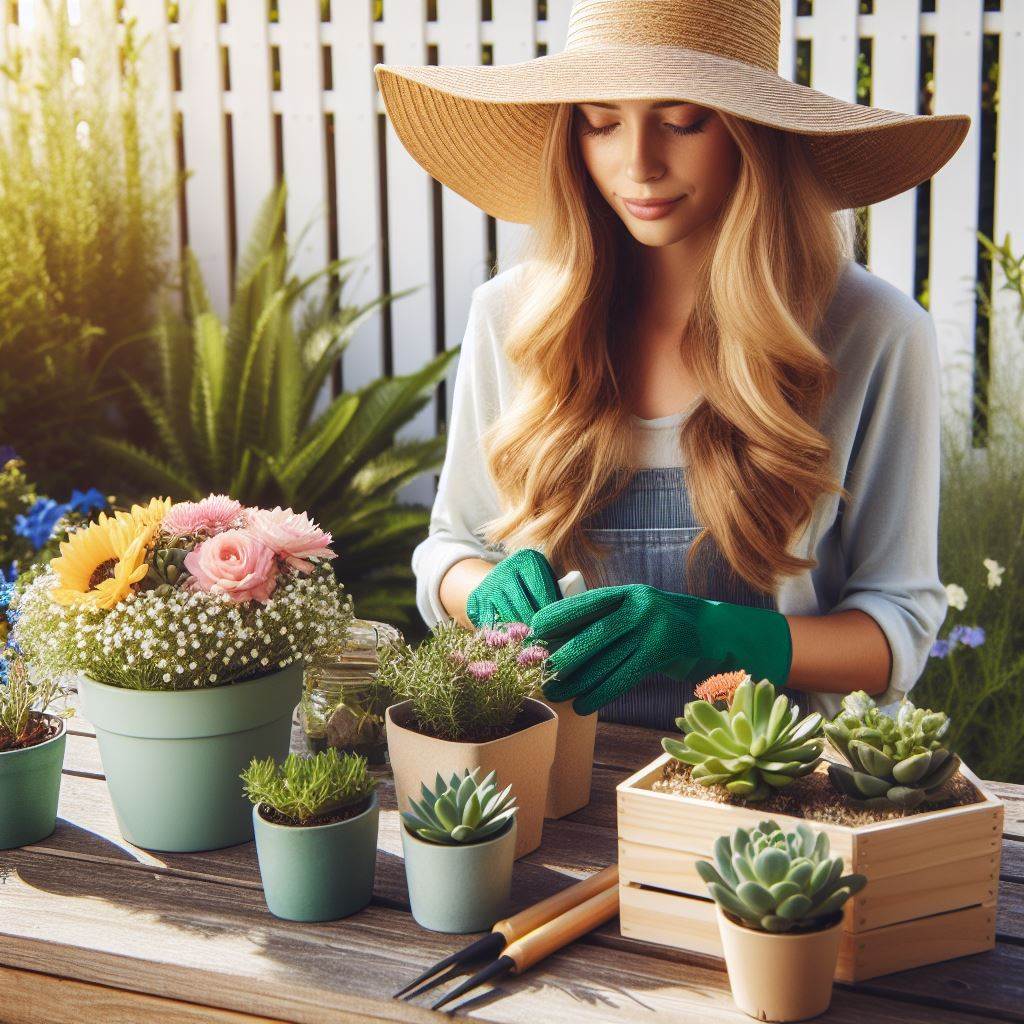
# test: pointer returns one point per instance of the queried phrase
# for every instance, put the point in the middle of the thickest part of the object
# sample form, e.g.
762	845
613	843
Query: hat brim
480	129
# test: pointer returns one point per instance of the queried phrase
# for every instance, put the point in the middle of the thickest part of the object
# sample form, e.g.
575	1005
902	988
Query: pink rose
292	536
235	563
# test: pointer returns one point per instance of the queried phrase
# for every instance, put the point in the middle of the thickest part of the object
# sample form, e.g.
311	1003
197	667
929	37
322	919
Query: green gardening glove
513	590
614	636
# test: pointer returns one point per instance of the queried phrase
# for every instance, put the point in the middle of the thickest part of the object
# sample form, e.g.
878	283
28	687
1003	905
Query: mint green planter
318	872
172	757
29	789
459	888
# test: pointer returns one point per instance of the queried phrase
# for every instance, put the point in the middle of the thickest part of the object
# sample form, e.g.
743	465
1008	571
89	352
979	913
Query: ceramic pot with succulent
462	700
32	741
315	820
459	843
779	898
187	625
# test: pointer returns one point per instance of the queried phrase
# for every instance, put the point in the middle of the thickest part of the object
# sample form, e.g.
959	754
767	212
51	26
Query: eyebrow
654	106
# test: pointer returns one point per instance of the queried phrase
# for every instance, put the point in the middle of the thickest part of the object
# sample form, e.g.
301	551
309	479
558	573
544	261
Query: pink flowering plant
179	595
465	685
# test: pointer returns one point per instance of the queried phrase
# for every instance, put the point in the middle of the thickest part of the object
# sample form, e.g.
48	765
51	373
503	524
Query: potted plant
779	899
929	848
315	820
463	701
186	626
32	742
459	841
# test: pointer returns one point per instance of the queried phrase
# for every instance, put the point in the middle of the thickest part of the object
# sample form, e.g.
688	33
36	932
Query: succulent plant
778	881
758	744
166	569
893	761
461	810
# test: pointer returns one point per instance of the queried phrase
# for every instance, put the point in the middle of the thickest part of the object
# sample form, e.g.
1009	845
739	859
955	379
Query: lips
650	209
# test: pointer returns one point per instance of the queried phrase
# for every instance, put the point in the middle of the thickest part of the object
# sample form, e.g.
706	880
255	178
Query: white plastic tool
572	583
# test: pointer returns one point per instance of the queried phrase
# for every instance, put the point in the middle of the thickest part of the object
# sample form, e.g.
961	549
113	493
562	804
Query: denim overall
647	531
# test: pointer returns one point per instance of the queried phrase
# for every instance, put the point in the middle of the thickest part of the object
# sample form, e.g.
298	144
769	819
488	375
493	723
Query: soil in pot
275	817
41	728
813	797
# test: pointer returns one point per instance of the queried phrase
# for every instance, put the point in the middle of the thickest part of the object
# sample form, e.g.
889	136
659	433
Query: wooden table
93	929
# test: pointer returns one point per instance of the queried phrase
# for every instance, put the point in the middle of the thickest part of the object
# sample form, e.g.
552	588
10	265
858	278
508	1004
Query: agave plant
235	410
778	881
461	810
758	744
893	761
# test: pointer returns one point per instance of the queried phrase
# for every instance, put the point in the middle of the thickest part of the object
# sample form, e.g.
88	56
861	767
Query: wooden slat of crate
687	922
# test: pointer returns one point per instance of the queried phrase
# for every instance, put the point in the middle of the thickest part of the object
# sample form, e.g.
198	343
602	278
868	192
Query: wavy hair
756	462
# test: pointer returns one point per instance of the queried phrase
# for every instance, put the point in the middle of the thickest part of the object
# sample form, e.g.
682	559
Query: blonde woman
686	388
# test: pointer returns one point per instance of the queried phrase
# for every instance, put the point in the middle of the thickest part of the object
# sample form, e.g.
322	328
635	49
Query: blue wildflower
37	524
940	649
969	636
7	453
10	574
84	502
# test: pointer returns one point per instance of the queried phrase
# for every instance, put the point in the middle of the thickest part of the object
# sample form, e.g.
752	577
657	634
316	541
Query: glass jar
338	707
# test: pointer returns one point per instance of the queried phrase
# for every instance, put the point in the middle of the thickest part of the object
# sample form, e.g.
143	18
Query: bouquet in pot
177	596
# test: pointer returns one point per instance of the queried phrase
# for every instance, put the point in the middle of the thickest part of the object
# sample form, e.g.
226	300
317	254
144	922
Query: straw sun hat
480	130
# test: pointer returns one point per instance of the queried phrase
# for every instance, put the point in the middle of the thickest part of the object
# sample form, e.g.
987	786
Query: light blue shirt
878	554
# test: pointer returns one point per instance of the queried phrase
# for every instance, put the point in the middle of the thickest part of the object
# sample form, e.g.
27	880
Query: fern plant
234	410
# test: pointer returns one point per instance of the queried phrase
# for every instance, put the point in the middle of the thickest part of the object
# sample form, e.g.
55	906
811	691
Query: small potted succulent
315	820
463	700
185	626
32	741
895	761
779	899
458	842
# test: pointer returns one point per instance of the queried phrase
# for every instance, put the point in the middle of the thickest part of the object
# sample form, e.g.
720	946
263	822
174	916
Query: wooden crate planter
932	877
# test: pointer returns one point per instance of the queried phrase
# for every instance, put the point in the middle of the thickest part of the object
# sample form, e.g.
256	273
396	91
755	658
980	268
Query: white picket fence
184	73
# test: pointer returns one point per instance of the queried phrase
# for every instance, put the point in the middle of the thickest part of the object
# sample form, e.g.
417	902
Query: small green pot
29	790
459	888
172	758
318	872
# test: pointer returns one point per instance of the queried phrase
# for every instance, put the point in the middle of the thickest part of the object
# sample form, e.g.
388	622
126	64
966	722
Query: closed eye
691	129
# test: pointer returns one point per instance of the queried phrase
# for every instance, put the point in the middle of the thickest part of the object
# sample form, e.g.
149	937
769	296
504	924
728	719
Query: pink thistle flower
531	655
517	630
211	516
482	670
234	563
292	536
496	637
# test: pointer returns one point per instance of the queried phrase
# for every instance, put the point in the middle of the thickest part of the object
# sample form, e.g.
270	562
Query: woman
687	388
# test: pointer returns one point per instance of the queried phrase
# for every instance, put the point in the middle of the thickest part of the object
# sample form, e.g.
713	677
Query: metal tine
487	945
502	965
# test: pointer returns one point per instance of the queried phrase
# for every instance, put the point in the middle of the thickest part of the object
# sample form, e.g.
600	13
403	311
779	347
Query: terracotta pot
573	767
522	759
780	976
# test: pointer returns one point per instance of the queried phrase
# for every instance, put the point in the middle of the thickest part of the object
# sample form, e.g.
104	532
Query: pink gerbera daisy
211	516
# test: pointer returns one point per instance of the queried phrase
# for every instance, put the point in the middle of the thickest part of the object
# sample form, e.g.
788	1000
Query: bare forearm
839	653
458	582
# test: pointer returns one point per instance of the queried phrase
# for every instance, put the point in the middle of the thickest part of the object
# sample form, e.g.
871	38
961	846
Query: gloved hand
614	636
513	590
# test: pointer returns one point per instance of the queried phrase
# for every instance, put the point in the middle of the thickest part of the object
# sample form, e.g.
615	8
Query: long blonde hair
755	461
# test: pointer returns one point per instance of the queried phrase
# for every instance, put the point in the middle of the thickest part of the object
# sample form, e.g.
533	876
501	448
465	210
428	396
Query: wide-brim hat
480	130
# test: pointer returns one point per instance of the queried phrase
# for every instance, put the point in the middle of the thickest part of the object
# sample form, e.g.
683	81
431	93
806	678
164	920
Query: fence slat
252	121
357	174
514	40
834	48
558	24
410	236
206	189
787	39
895	69
955	193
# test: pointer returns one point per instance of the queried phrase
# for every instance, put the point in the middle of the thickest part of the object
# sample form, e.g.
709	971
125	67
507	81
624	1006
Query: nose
644	161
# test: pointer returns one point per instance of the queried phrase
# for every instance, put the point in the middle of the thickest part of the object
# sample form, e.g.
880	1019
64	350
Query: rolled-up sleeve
466	498
889	530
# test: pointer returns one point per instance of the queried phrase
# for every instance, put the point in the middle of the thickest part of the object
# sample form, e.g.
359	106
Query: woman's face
663	150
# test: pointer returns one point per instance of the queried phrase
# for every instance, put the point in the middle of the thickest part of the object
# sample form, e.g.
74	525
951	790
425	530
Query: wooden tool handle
548	938
540	913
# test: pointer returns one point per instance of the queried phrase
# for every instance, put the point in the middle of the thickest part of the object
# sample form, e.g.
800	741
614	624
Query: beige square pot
573	767
522	759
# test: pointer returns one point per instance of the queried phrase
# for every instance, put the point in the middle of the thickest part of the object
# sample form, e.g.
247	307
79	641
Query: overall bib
648	530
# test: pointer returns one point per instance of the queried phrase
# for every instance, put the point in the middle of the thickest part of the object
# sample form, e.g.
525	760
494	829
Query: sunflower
147	515
99	563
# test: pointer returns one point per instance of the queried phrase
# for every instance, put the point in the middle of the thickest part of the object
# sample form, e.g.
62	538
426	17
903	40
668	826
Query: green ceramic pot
29	789
459	888
319	872
172	758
